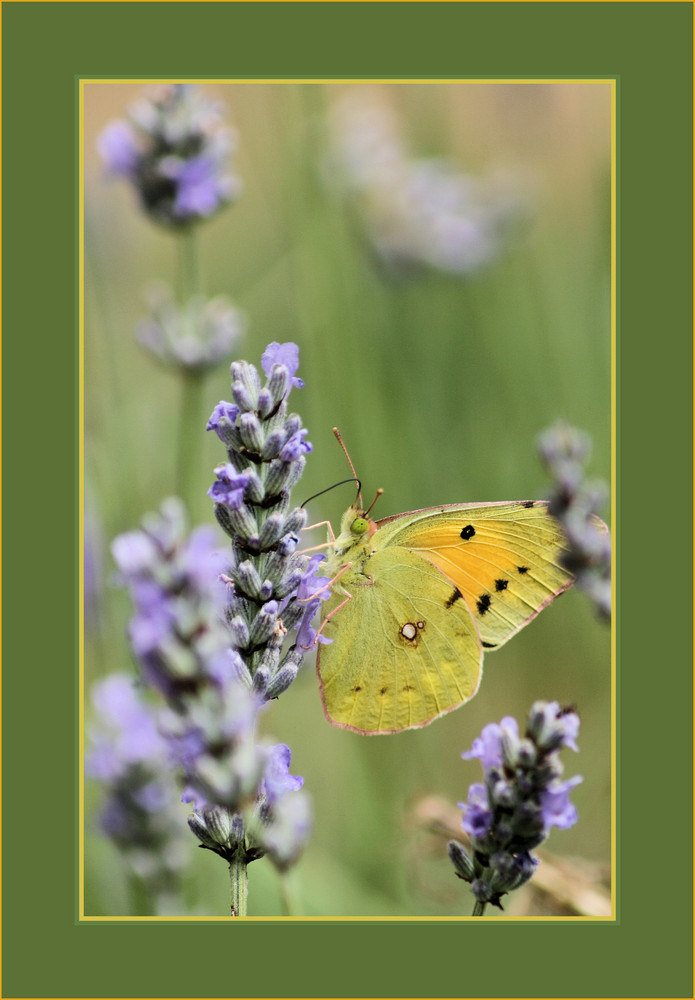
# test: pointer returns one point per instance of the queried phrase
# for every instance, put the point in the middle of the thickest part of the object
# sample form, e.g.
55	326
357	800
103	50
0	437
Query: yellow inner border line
85	81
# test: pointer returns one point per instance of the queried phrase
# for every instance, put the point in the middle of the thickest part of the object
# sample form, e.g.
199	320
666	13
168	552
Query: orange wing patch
503	561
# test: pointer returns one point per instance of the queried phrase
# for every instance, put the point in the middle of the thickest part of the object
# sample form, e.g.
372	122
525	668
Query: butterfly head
356	528
356	524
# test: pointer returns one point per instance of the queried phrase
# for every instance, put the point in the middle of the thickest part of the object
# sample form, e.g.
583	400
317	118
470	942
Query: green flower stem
189	276
239	879
288	895
188	485
479	908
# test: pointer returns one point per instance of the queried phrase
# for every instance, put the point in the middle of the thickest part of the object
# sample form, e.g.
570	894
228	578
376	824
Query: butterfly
417	599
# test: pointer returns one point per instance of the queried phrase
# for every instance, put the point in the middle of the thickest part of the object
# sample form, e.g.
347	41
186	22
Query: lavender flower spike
130	759
184	646
272	586
520	800
564	451
194	336
174	150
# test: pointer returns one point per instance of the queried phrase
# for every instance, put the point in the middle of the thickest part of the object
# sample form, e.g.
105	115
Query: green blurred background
440	385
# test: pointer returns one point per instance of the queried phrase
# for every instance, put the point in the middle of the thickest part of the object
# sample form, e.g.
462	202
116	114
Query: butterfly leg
324	545
321	524
326	621
326	586
315	548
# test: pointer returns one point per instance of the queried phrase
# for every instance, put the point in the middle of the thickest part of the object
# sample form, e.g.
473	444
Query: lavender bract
521	799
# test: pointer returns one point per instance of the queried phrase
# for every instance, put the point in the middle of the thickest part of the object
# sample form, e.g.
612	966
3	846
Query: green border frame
47	47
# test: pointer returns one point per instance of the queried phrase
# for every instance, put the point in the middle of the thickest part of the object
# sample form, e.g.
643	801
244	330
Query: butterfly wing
504	560
403	653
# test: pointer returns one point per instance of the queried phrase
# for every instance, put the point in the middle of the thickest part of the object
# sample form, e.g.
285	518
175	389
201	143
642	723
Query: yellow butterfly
418	597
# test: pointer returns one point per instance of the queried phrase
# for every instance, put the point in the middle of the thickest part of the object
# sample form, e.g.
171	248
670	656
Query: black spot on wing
522	569
467	532
501	585
528	503
456	596
483	603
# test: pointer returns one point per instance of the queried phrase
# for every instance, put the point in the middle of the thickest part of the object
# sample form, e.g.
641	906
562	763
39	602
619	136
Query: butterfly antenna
345	451
378	494
328	488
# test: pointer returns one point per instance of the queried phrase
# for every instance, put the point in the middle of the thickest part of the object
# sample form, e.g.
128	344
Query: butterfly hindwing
504	559
413	653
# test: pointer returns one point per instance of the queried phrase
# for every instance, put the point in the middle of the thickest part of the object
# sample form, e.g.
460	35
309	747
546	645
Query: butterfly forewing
503	560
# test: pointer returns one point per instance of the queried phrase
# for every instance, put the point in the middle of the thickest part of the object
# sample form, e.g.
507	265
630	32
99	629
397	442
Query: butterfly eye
359	526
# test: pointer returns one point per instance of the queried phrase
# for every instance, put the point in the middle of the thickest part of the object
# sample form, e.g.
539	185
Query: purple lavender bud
246	385
488	746
230	486
273	443
461	861
277	779
551	728
477	816
222	418
248	579
282	680
272	531
266	403
264	624
557	808
239	632
118	147
261	679
251	432
295	447
282	354
278	385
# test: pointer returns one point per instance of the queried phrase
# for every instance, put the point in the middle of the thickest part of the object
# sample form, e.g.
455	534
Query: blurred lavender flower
564	451
521	799
416	212
195	336
131	760
286	819
177	632
174	149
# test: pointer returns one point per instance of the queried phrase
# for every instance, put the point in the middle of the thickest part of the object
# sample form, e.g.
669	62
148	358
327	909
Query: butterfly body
418	599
